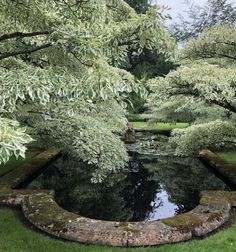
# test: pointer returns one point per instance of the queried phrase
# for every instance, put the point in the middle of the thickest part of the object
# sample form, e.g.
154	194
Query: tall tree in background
141	6
147	63
198	18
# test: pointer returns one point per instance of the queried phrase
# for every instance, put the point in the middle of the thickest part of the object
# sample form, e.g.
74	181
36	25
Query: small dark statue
130	134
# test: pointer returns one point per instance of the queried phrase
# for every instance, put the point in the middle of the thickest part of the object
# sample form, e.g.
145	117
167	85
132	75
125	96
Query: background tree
61	75
141	6
146	64
205	87
199	17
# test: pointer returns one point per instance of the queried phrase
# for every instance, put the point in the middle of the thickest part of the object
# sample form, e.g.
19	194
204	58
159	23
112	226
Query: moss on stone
219	198
216	215
184	222
126	226
36	208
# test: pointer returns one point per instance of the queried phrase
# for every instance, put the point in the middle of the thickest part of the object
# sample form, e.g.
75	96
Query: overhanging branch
223	104
26	51
23	35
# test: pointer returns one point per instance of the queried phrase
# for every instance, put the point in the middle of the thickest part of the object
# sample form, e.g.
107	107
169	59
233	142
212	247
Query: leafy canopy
203	88
61	75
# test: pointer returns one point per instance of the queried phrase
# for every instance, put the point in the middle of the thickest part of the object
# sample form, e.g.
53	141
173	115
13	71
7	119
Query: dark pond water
152	187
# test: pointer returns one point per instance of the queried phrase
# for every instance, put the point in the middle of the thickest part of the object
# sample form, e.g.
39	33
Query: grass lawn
13	162
16	237
229	156
160	126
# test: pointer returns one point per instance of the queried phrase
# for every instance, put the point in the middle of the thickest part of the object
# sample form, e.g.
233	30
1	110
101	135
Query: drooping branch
226	105
223	104
23	35
26	51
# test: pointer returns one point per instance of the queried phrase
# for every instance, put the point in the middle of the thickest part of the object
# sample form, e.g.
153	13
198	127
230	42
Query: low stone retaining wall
17	176
224	168
40	208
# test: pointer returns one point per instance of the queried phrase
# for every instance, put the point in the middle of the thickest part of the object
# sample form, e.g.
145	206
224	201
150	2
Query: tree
217	42
205	87
147	63
141	6
199	17
60	75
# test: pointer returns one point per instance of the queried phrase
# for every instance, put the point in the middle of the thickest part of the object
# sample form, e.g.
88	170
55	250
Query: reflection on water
162	207
151	188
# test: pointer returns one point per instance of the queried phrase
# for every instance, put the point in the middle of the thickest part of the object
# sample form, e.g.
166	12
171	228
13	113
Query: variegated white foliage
203	90
61	75
12	140
215	134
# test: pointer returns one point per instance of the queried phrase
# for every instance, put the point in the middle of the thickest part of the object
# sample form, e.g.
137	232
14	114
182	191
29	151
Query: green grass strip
160	126
230	157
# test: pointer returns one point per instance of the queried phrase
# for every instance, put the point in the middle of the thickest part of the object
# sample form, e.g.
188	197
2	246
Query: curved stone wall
40	208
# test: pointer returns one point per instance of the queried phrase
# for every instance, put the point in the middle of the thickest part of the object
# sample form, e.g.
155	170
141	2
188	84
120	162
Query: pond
152	187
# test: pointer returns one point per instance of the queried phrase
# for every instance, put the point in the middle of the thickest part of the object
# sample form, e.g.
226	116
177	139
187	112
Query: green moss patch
43	211
218	198
184	222
216	215
126	226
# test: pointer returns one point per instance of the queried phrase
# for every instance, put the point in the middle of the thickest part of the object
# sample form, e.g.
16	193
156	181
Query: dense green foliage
147	64
12	140
61	74
203	90
215	43
199	17
136	118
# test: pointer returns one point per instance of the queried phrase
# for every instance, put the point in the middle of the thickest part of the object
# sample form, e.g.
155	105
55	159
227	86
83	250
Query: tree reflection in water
151	188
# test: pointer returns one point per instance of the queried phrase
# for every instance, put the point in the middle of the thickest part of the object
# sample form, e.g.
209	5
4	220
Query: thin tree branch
23	35
223	104
26	51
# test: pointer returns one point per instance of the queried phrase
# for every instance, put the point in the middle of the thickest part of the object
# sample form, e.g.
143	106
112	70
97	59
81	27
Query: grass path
159	126
229	156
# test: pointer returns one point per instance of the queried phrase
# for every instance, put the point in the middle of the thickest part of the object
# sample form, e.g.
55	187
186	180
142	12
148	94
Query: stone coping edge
227	170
